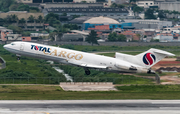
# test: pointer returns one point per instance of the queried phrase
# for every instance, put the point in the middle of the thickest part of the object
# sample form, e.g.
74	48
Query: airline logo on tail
149	58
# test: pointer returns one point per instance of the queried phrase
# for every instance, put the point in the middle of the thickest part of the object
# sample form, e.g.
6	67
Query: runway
90	106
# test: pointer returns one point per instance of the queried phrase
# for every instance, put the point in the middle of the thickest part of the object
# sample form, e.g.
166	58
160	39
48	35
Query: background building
146	3
21	14
71	5
149	24
101	23
24	1
114	13
4	32
169	6
121	1
87	1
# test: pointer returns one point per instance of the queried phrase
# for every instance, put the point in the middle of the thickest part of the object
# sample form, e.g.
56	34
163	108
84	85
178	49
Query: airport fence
57	80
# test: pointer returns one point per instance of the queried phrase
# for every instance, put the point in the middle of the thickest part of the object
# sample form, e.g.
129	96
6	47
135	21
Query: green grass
79	75
100	48
43	92
112	54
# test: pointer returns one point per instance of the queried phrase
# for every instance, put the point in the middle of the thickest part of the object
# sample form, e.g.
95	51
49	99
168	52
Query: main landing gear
87	71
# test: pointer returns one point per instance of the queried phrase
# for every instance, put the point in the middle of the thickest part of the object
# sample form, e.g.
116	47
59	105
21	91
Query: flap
87	65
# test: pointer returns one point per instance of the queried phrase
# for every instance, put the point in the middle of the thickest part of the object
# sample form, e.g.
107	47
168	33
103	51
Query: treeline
12	5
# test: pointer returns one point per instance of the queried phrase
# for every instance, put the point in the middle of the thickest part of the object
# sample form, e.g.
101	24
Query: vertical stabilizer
146	59
151	57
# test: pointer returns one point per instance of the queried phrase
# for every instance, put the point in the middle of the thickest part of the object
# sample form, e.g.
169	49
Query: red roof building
26	38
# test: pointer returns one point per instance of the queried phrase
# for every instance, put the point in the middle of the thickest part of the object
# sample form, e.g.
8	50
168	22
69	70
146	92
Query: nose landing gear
18	57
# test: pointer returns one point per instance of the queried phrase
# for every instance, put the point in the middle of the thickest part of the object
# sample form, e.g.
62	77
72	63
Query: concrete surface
87	86
90	106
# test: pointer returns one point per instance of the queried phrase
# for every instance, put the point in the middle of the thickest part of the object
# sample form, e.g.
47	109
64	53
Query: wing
87	65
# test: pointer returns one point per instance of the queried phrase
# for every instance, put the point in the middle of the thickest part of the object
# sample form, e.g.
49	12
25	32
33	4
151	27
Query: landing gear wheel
18	58
88	72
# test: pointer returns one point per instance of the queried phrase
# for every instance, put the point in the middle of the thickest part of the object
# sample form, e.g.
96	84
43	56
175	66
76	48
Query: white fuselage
64	55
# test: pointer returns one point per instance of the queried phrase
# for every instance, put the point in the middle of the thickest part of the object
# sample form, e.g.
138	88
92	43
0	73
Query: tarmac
90	106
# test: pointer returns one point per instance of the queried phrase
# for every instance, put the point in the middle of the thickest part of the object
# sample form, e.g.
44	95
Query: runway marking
34	112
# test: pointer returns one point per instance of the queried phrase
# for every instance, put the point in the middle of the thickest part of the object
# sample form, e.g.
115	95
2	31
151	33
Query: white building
87	1
121	1
16	37
24	1
146	3
148	24
163	38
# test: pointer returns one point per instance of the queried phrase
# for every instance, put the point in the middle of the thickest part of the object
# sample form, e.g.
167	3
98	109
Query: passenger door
22	47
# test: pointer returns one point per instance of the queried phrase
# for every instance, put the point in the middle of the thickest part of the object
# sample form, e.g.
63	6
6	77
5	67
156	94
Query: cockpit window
12	44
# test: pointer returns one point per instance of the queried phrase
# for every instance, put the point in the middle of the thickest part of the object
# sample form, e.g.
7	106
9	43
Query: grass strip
44	92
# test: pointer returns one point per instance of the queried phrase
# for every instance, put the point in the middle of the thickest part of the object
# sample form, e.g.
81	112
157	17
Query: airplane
121	63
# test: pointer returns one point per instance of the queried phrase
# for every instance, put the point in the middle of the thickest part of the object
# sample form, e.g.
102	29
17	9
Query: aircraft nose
5	46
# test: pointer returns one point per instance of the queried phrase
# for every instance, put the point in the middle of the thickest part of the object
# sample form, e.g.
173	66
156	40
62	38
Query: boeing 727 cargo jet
122	63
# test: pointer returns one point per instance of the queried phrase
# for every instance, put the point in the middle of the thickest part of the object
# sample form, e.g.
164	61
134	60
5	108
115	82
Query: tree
51	15
149	14
53	36
13	7
112	36
2	21
33	9
83	1
114	5
71	26
26	33
100	0
11	19
121	38
23	7
161	14
53	22
137	10
52	19
132	1
40	19
31	19
64	14
14	18
5	4
22	21
57	33
15	29
92	38
154	40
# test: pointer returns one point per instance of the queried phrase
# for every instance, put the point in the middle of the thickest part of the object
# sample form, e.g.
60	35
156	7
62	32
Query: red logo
149	58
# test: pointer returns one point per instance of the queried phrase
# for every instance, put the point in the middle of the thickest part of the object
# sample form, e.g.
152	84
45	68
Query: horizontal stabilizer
162	52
